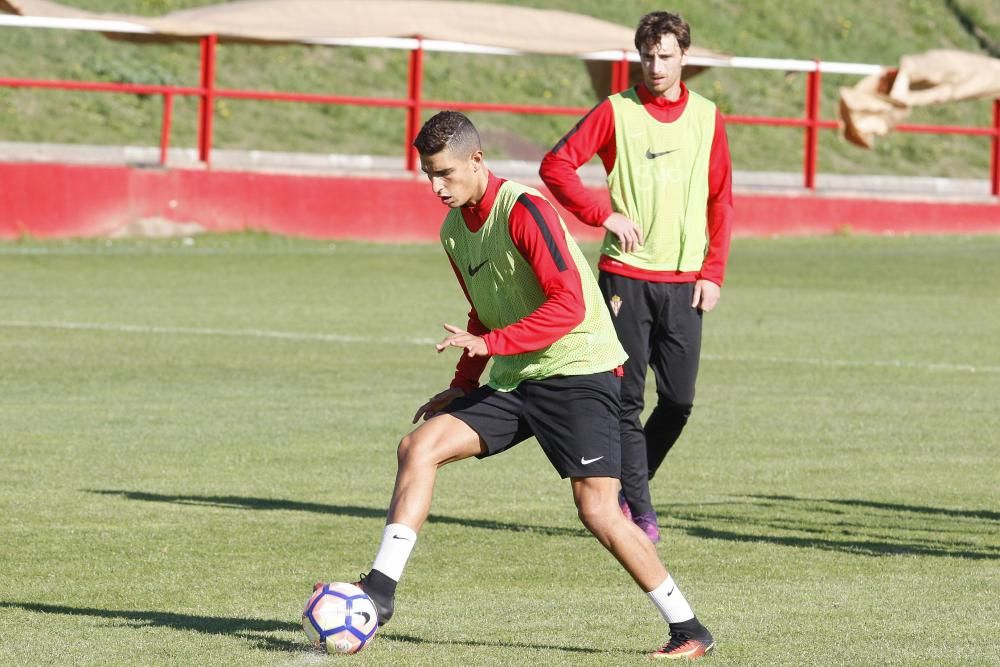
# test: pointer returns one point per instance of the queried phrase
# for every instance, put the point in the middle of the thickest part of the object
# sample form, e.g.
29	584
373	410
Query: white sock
670	601
397	543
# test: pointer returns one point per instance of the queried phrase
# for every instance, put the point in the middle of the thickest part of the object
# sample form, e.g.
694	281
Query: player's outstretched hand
474	346
437	403
628	233
706	295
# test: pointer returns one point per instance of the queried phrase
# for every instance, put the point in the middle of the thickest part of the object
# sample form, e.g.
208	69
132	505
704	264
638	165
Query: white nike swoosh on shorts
585	462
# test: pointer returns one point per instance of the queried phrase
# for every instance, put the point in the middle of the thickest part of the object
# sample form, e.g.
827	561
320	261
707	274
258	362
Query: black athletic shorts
574	417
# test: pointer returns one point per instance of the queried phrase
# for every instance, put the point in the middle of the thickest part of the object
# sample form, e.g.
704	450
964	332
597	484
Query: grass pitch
192	433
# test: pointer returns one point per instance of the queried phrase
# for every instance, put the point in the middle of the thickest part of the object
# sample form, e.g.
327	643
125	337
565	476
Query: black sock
380	584
691	627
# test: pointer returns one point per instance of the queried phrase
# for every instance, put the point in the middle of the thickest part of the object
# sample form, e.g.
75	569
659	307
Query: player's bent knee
593	515
589	518
415	450
677	410
431	448
403	449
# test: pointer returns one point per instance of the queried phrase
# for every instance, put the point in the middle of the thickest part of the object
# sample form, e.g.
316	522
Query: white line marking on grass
843	363
195	331
110	250
346	339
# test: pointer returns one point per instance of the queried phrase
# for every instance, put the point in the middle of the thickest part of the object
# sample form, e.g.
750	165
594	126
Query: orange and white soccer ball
340	618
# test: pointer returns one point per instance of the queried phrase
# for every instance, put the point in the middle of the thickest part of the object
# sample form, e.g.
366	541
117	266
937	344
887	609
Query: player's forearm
593	135
468	372
720	206
470	369
720	223
555	318
560	176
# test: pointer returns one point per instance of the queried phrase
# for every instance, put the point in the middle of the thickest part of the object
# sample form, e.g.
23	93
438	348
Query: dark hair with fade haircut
653	26
447	129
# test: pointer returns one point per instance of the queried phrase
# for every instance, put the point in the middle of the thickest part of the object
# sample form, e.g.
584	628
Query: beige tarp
881	101
520	28
538	31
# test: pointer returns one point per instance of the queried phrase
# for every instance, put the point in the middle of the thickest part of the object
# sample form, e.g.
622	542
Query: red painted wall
56	200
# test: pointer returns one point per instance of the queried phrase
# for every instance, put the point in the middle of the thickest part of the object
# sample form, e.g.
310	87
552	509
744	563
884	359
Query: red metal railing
416	85
414	103
813	91
206	104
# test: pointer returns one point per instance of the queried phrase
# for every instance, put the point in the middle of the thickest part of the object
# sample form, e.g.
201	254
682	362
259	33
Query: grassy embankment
851	31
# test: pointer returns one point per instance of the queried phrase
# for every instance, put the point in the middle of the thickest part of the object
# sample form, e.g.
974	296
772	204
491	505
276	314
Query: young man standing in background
664	256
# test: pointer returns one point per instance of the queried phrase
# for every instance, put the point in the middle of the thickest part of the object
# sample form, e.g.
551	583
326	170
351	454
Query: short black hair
447	129
653	26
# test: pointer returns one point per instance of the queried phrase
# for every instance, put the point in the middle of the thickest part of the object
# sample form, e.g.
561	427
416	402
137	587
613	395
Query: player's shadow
249	503
258	632
410	639
854	526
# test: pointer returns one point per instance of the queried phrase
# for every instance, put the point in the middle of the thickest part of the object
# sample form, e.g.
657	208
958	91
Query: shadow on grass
986	515
469	642
245	503
254	630
858	527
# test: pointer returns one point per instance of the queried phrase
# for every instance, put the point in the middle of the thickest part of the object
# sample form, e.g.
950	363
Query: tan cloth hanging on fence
881	101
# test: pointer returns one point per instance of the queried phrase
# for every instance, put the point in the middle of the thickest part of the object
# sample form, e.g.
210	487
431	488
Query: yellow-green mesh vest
504	289
660	182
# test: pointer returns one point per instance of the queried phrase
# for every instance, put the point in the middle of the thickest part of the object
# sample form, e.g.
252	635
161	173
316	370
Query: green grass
849	31
194	433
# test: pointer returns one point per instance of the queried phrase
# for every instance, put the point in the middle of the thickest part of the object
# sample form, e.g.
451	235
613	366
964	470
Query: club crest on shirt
616	304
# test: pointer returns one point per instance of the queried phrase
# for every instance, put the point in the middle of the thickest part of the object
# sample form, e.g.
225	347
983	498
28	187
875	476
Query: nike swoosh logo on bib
652	156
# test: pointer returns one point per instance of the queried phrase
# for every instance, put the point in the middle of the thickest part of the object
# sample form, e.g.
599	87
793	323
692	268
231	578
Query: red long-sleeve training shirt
595	135
564	307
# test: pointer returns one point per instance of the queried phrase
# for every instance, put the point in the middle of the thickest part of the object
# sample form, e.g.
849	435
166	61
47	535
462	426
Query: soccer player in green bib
538	314
668	224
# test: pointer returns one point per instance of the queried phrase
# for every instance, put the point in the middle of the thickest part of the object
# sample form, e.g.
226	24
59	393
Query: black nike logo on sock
400	537
474	271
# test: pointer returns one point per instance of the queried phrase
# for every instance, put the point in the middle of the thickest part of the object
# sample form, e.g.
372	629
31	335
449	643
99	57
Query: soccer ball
340	618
